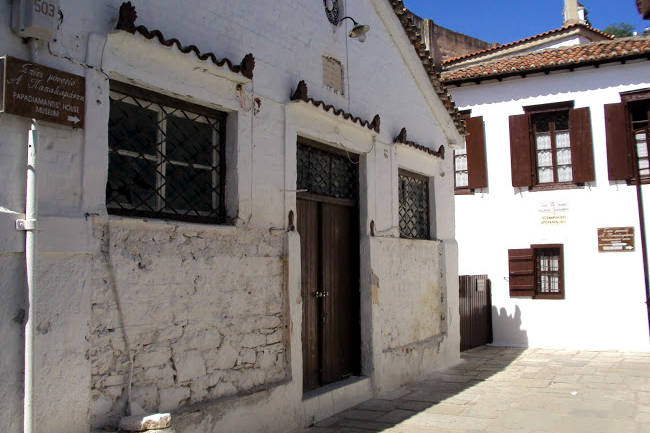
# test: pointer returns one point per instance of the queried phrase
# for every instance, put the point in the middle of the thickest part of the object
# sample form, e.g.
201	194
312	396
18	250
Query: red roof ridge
528	39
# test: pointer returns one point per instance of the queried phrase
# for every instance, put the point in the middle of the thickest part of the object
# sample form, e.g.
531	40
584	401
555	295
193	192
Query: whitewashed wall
605	302
212	313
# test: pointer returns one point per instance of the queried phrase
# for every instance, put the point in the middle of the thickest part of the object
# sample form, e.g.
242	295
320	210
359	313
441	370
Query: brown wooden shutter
520	151
582	154
620	162
476	164
521	264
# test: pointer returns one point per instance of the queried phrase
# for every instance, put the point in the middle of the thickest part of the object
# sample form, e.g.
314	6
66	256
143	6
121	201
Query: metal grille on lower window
326	173
548	272
166	157
413	206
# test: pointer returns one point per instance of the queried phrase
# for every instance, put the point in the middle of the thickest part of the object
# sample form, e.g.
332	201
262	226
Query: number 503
45	8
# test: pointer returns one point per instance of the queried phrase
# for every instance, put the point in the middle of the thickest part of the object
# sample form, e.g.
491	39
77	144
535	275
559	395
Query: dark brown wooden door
309	234
330	290
475	311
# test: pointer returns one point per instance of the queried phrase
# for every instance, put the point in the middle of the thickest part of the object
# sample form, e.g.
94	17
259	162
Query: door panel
309	256
475	311
340	327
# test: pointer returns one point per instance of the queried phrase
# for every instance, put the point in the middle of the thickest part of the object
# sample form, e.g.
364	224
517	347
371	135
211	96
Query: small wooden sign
31	90
615	239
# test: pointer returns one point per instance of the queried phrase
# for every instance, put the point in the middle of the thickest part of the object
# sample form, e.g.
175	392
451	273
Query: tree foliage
620	30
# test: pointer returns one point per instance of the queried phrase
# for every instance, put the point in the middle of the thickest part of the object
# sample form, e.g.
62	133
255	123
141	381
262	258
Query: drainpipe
28	225
644	244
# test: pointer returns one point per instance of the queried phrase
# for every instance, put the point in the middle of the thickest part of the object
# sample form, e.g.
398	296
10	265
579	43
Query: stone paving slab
508	390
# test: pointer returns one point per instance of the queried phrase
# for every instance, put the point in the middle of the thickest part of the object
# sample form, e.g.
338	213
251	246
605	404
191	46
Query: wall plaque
31	90
615	239
553	212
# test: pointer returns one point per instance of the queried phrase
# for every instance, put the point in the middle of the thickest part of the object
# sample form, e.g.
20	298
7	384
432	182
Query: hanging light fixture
358	31
332	10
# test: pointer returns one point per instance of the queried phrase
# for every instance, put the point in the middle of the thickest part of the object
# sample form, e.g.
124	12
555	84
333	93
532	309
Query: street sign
31	90
612	239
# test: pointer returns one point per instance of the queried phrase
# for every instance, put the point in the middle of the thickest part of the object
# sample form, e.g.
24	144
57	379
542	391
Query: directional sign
612	239
32	90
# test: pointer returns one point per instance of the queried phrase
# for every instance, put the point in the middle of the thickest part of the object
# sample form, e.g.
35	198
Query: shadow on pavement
445	392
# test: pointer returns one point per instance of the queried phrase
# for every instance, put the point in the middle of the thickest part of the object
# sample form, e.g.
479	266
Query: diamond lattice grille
413	206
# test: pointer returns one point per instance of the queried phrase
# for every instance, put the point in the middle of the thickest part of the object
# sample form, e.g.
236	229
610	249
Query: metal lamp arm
349	18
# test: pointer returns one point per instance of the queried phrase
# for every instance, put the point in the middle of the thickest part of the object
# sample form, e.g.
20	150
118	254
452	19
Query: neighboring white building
169	267
549	163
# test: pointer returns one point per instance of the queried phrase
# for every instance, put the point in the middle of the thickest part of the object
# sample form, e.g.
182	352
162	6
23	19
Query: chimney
571	12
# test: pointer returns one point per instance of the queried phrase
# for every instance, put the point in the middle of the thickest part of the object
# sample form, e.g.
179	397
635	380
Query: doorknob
320	294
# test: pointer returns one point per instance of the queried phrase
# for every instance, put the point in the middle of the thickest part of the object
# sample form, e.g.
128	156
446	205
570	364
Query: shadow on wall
507	328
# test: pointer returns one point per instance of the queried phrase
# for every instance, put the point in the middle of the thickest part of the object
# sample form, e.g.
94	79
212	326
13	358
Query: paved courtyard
514	390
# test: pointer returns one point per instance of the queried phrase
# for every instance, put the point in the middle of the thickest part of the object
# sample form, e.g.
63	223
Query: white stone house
549	164
170	272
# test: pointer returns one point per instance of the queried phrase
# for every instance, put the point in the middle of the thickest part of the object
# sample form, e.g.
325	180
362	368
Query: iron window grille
166	157
549	272
413	206
326	173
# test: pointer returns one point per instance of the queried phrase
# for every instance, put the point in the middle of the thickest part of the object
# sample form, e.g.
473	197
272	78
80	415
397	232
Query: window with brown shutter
628	137
470	164
537	271
551	147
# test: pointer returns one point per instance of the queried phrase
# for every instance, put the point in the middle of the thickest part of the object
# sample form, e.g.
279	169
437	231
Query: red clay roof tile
552	59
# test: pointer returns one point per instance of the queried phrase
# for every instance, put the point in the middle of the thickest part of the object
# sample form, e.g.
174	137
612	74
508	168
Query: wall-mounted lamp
358	31
332	10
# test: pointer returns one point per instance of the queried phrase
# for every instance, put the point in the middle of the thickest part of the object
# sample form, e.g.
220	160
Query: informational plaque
553	212
615	239
31	90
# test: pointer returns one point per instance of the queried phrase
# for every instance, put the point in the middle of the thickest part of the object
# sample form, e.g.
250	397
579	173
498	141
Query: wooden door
330	290
309	256
475	311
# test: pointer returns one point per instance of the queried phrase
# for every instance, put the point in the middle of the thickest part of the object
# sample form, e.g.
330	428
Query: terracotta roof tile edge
302	94
615	54
520	41
402	139
126	22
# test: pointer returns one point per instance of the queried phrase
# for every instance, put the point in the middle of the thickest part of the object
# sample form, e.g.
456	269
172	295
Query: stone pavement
509	390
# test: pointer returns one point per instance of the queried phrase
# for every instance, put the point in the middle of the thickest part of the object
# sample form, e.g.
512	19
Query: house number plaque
31	90
615	239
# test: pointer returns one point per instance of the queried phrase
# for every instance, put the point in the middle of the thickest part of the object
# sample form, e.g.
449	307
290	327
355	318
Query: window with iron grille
326	172
166	157
537	271
548	272
413	206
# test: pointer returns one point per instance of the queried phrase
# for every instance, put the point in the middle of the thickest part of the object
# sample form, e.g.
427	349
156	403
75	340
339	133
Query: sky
505	21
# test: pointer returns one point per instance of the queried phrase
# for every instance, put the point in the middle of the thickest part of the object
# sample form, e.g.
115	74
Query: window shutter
476	164
521	263
582	154
620	162
520	151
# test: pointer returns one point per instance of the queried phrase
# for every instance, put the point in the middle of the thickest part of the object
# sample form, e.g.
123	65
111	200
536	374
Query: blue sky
509	20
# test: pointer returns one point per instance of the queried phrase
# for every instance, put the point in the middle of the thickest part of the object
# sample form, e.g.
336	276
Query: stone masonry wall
201	310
